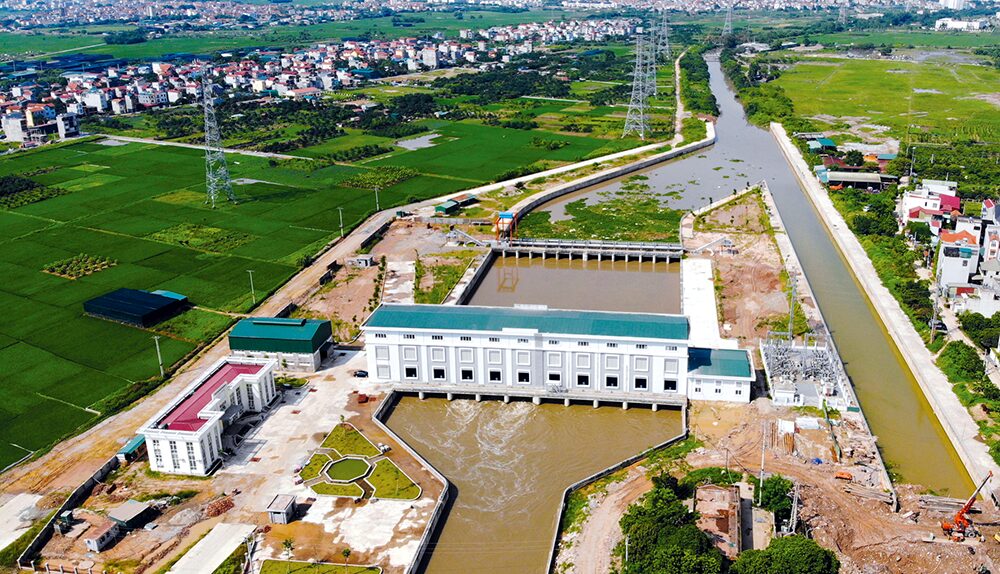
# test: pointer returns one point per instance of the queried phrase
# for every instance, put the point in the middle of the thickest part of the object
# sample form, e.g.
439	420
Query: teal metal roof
279	335
552	321
719	362
133	445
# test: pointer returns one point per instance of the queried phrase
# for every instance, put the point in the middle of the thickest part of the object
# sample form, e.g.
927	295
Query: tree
789	555
774	497
854	157
288	545
346	553
919	231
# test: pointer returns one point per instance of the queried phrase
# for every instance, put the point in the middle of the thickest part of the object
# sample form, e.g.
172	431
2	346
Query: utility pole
791	311
793	522
341	210
626	549
763	447
159	357
377	206
253	295
934	306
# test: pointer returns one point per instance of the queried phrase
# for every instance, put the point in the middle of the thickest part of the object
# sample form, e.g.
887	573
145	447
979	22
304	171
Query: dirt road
602	532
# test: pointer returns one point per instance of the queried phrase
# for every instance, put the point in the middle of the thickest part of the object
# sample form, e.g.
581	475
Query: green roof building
297	344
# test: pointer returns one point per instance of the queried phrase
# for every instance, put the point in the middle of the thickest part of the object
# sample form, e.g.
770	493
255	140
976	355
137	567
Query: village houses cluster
33	113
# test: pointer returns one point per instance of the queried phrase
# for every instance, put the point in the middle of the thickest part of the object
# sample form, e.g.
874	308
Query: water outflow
910	436
509	464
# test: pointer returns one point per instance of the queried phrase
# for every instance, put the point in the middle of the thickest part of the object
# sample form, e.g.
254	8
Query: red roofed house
923	204
188	435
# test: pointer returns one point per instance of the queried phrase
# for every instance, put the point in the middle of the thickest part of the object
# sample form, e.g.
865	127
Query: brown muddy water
576	284
509	464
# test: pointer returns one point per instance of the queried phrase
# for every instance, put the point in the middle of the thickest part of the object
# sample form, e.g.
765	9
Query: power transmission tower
637	119
842	16
727	28
651	61
663	38
217	180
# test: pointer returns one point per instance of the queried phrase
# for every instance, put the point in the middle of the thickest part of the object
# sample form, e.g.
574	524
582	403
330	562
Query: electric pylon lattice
217	180
643	85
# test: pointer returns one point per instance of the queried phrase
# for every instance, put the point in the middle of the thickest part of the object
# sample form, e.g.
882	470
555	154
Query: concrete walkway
954	418
202	147
212	550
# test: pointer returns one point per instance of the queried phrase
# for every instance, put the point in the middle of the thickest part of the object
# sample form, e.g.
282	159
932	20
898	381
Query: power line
727	28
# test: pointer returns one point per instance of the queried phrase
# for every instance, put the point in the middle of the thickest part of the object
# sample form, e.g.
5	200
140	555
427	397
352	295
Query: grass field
390	482
142	205
477	154
902	38
924	101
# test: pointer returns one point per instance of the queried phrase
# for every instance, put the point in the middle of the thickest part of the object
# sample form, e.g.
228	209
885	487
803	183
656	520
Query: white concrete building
582	354
188	435
958	258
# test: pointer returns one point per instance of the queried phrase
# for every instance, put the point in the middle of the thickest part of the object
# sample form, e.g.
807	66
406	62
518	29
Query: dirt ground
866	535
346	300
752	292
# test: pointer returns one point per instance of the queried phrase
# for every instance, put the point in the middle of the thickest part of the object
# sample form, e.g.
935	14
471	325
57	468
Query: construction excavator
960	526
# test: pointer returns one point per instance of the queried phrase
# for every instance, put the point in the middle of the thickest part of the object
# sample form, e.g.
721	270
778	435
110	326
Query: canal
510	462
509	465
910	436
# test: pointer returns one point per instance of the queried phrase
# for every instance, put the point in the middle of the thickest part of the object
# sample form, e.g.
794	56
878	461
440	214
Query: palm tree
346	553
288	545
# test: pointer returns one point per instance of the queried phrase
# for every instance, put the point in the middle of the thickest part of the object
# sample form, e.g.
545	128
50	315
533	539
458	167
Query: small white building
590	354
187	436
958	258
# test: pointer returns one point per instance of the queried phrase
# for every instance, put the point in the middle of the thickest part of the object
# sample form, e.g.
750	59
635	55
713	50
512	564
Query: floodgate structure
548	353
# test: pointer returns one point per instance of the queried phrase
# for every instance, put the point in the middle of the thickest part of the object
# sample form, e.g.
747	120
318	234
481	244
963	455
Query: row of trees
696	93
504	84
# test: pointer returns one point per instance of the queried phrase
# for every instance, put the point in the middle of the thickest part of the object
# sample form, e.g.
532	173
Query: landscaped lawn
329	489
283	567
347	469
315	465
390	482
346	440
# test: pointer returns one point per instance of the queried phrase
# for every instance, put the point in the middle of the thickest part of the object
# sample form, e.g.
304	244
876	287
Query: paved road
202	147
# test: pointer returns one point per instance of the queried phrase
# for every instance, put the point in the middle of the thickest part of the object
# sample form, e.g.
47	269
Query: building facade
188	435
296	344
591	353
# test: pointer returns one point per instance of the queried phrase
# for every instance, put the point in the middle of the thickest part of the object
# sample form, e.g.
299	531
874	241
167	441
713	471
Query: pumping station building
538	351
296	344
189	435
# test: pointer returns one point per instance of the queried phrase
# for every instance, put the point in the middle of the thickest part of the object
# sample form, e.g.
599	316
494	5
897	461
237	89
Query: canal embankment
958	424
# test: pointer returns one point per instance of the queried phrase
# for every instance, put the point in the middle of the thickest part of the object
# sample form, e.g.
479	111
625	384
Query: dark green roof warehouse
272	335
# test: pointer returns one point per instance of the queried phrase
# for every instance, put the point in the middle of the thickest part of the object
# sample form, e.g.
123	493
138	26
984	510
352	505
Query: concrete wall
442	502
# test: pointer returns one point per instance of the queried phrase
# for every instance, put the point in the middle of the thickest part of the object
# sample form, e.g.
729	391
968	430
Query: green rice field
902	38
923	101
143	206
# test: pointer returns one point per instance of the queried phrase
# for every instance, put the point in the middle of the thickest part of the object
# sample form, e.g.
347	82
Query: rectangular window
250	400
670	385
409	353
583	380
495	376
583	360
582	343
494	339
381	352
173	456
437	337
640	346
555	377
465	338
739	391
383	372
612	361
380	335
553	342
670	366
640	383
522	341
611	382
494	356
438	374
523	377
410	372
157	454
612	345
523	358
554	359
466	374
718	391
697	389
671	347
409	336
642	363
193	464
437	354
465	355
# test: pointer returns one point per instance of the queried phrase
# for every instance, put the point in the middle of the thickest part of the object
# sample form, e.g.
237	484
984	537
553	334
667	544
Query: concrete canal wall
962	431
